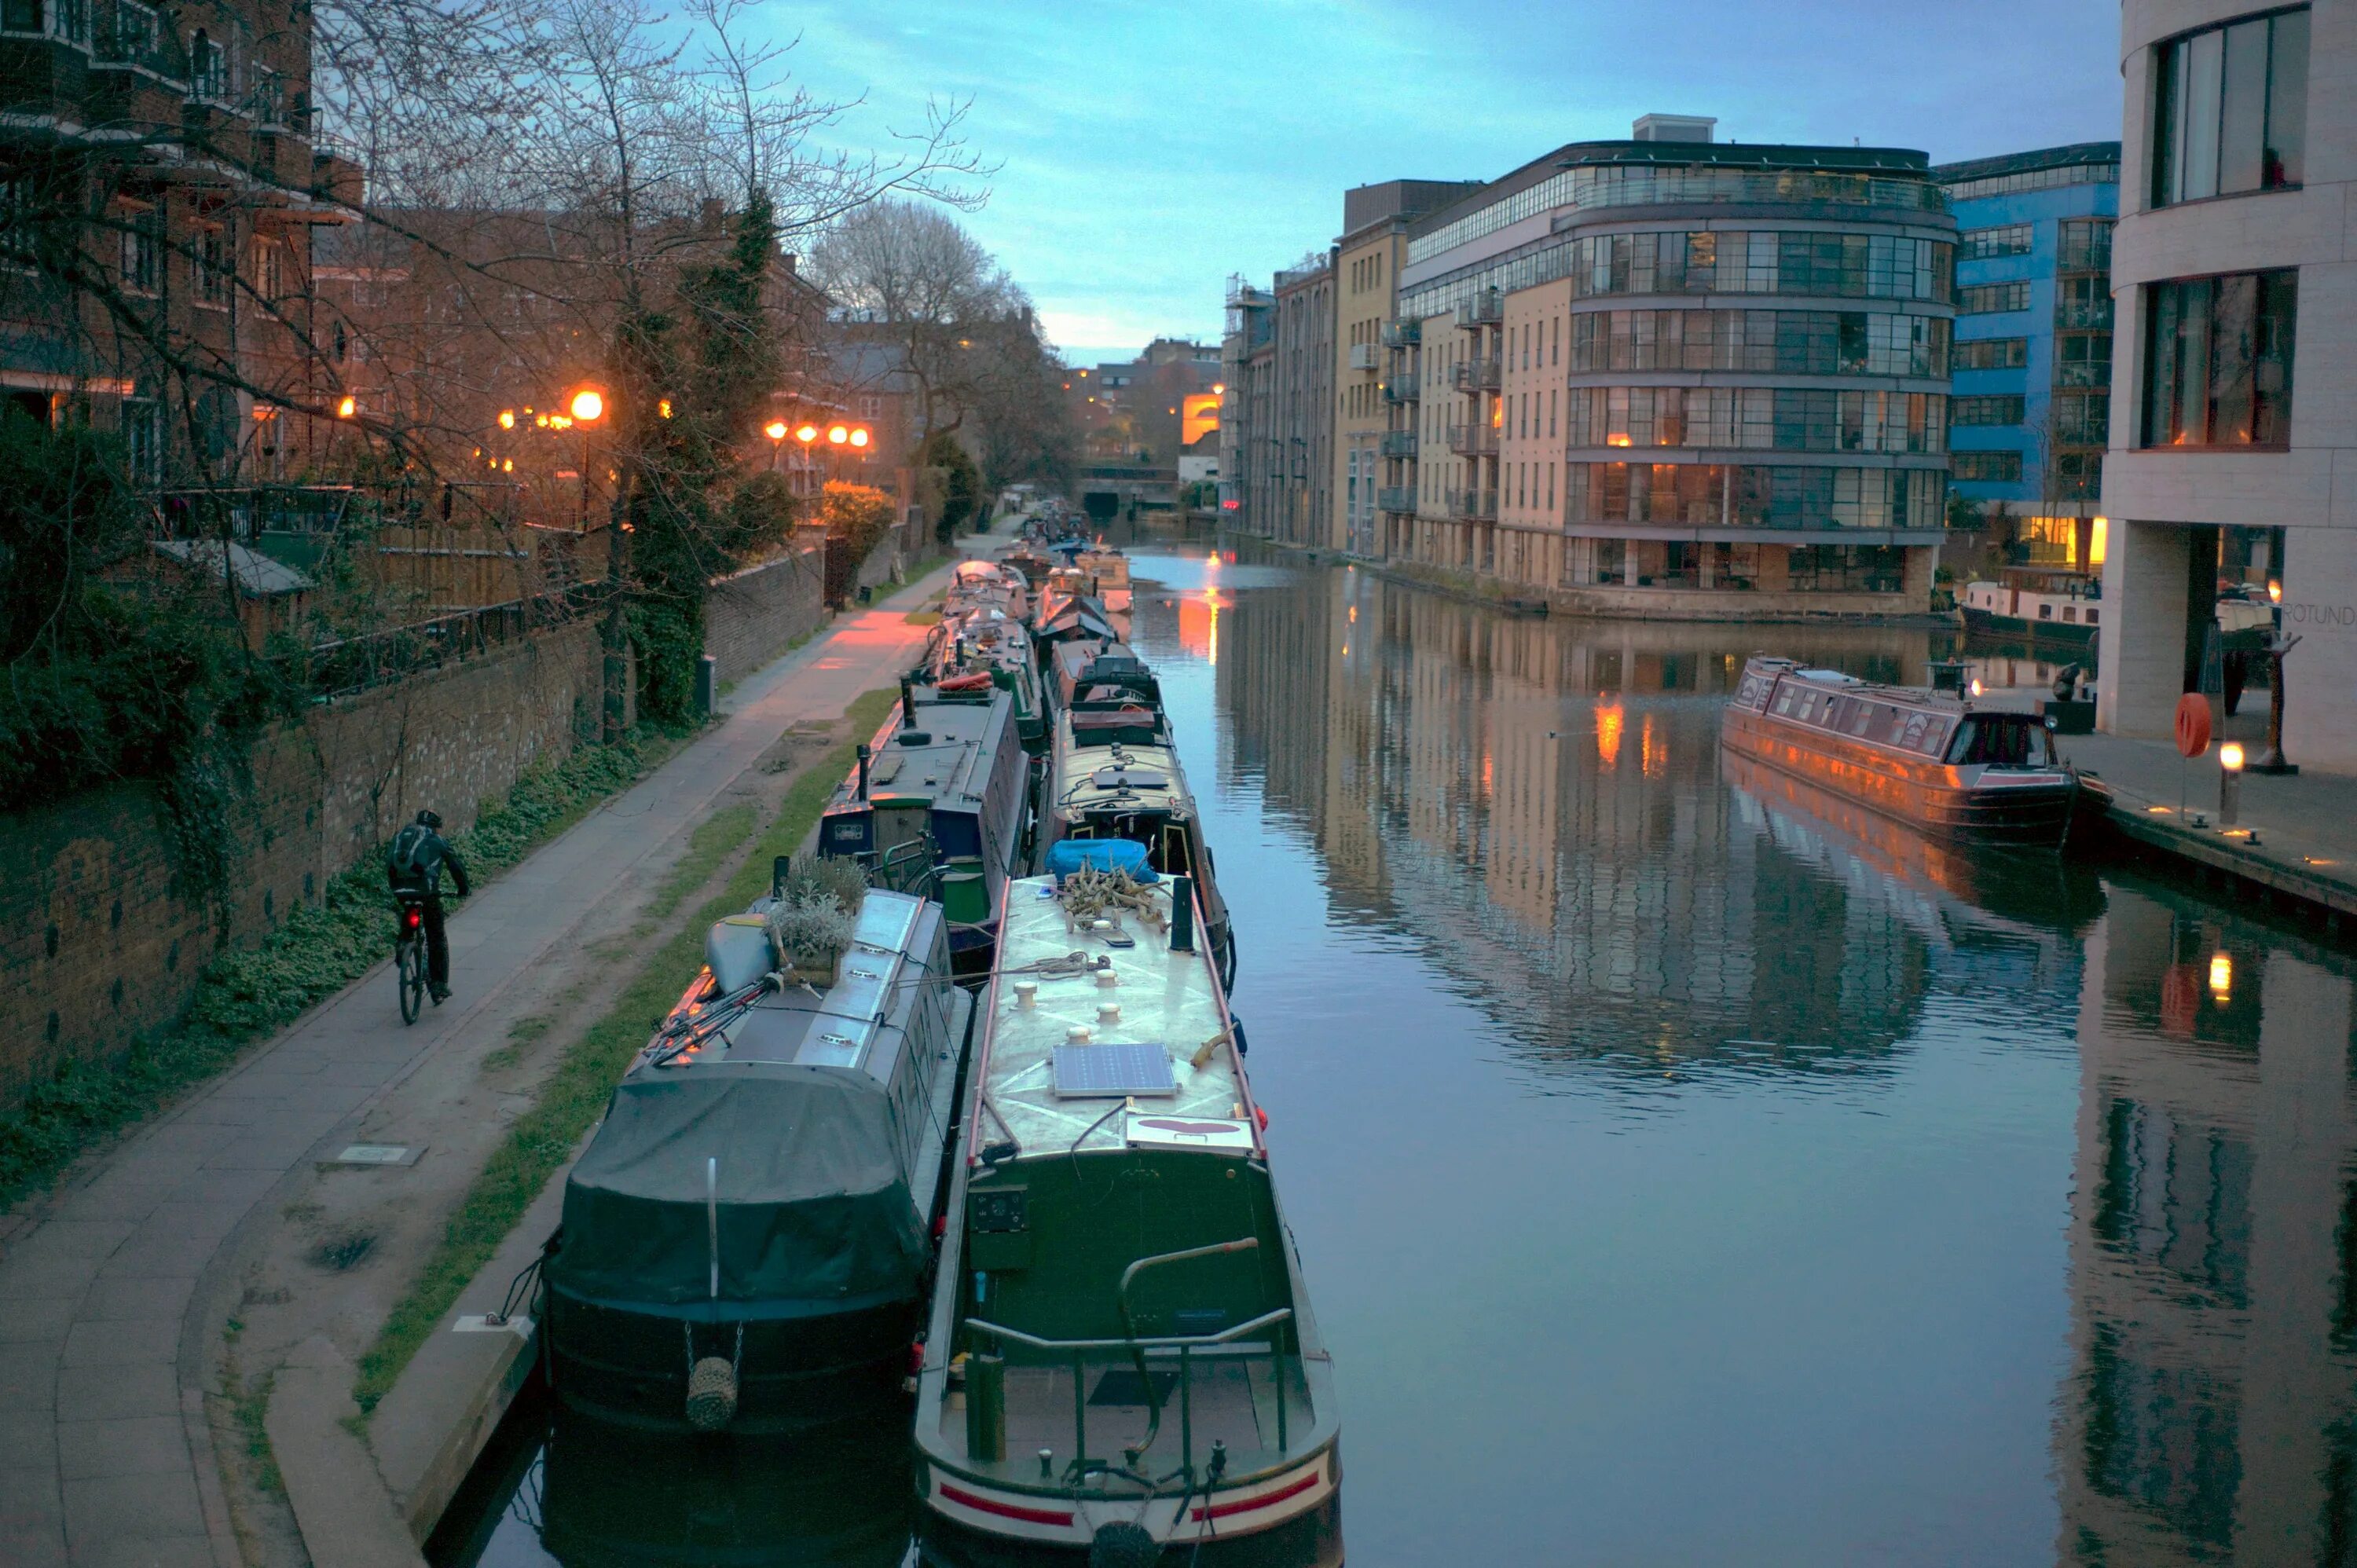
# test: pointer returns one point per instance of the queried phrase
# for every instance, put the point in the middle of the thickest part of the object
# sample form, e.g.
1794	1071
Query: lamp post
587	406
776	431
2230	782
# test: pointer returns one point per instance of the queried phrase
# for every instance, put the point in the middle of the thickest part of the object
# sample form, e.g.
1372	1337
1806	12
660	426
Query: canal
1687	1169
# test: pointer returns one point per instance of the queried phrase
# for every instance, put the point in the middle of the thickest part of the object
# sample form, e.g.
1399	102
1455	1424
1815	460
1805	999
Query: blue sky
1147	151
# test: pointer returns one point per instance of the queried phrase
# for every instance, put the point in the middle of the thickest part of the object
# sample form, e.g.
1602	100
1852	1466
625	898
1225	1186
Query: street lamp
588	406
776	431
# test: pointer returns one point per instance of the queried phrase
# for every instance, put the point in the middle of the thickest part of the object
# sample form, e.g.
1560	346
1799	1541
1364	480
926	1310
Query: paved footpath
106	1456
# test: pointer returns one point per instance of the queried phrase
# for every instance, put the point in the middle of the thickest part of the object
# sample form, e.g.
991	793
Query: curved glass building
1657	372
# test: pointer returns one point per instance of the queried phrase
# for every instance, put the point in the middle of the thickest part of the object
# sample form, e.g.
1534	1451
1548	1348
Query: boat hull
2060	634
2031	810
1309	1490
630	1367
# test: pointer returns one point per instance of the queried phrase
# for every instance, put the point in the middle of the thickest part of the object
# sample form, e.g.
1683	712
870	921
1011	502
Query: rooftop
2068	157
949	766
1117	780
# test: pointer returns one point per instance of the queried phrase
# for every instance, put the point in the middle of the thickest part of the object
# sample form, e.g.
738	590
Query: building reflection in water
2211	1412
1540	806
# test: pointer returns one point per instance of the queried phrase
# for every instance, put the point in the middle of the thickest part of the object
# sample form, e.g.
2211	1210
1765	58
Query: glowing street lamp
507	419
859	436
775	430
837	434
348	407
589	404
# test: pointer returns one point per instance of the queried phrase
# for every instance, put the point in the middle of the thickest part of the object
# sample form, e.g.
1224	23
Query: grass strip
317	950
713	837
540	1141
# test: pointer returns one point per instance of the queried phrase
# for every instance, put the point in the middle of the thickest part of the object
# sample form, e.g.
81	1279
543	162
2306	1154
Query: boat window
2007	741
1968	737
848	834
2037	752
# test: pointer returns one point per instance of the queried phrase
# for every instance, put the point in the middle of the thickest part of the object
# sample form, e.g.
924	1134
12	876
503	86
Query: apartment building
2234	390
1247	404
1371	353
1300	452
159	181
2032	361
1607	297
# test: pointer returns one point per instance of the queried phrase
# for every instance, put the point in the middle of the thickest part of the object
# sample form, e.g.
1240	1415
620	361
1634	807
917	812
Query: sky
1145	152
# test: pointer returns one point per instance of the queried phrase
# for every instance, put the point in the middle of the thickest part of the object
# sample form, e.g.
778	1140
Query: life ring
2193	724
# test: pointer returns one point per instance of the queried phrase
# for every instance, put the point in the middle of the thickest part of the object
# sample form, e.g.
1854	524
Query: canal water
1688	1168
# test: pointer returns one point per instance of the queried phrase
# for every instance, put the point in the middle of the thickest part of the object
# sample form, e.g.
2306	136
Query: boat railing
985	1396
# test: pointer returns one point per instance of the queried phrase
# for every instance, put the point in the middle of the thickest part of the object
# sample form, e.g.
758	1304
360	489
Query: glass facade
1990	298
2003	240
1724	495
2229	109
1781	419
1806	342
1993	354
2023	180
2218	359
1667	185
2001	408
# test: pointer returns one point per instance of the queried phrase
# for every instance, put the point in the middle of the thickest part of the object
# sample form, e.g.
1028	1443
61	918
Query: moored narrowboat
1121	1350
1947	763
976	648
939	801
746	1240
1103	786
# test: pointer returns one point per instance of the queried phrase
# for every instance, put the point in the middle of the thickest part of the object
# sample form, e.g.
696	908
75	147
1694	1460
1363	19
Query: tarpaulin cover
1067	855
815	1215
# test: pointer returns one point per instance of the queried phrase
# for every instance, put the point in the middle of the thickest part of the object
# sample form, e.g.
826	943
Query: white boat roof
1116	778
1169	1001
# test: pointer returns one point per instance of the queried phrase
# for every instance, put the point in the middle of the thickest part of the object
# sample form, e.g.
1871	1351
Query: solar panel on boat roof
1105	1071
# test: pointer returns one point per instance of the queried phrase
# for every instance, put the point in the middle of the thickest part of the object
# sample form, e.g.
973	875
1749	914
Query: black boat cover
813	1214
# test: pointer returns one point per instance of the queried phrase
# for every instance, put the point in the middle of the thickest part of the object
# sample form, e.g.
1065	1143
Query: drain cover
380	1155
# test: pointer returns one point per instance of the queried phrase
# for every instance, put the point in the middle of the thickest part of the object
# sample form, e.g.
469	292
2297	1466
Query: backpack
411	851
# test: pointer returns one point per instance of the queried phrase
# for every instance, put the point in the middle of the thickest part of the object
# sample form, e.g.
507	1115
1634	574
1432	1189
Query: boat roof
859	1022
950	766
1117	779
2012	702
1169	1001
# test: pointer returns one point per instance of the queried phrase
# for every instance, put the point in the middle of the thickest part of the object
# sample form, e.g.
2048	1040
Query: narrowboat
940	802
1065	619
988	584
2065	615
1103	786
1091	672
1947	763
1107	570
1121	1352
746	1241
975	648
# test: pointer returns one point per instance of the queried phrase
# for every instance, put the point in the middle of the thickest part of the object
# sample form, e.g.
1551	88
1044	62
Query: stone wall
97	941
753	616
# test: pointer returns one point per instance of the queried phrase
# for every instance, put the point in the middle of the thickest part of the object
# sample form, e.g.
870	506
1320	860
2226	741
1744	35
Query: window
2083	359
135	33
2035	179
209	263
142	251
141	447
23	17
1984	299
1980	244
269	269
2082	419
2086	245
2218	360
2229	109
2082	302
2002	468
207	68
1993	354
20	218
1985	411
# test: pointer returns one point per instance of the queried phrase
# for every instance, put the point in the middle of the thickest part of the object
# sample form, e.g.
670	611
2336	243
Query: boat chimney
1182	914
1947	675
863	770
908	701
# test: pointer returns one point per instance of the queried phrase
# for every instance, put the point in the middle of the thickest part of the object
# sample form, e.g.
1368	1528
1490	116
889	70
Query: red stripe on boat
1006	1511
1223	1510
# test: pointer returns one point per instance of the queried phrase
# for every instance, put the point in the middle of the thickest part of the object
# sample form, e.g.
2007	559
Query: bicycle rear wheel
409	969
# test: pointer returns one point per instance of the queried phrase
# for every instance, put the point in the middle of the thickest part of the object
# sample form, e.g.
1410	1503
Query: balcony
2071	313
1406	332
1484	309
1473	506
1398	444
1402	389
1366	356
1476	375
1398	499
2083	373
1473	440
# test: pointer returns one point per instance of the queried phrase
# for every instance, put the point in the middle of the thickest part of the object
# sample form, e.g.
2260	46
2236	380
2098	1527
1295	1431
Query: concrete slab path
107	1459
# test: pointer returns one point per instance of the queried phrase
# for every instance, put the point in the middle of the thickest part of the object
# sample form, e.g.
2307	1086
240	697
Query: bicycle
409	955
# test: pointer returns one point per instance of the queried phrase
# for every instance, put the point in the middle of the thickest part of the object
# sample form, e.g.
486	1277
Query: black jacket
417	859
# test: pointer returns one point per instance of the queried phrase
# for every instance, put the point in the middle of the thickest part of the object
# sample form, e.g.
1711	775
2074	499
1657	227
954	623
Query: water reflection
2211	1409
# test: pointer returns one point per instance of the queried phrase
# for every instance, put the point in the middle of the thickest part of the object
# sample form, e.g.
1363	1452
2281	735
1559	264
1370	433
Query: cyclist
414	866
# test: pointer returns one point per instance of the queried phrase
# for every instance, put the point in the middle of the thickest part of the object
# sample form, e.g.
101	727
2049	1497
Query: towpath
107	1458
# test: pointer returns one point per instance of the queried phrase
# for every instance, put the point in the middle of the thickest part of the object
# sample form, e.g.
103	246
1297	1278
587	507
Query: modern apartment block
1768	327
1370	446
159	179
2235	374
2032	358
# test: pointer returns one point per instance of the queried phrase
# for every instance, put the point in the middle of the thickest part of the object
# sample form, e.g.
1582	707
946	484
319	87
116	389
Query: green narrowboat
939	802
976	648
1120	1340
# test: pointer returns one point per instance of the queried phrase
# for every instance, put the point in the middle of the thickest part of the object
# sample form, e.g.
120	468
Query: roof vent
914	737
1673	128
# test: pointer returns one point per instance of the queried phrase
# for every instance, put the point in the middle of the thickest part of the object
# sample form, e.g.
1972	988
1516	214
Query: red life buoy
2193	724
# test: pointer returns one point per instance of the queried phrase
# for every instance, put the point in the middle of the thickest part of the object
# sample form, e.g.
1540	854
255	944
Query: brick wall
750	616
96	942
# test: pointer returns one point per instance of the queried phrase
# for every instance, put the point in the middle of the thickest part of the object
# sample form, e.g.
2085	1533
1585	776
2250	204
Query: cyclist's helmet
429	820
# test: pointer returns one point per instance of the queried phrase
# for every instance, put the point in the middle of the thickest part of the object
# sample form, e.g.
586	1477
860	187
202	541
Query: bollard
2230	783
707	682
986	1408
